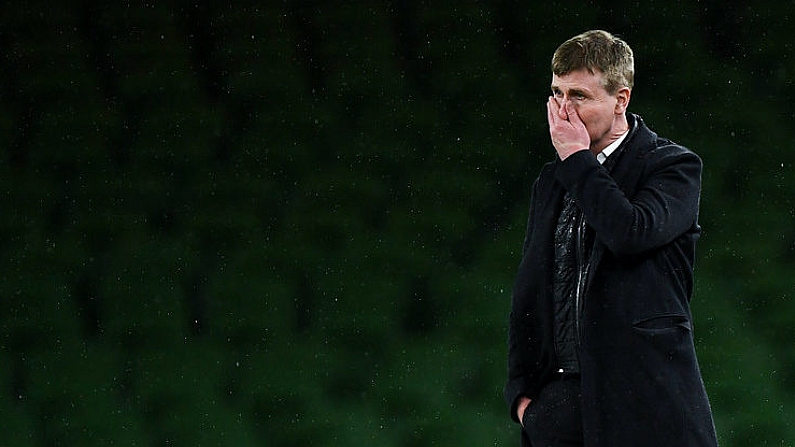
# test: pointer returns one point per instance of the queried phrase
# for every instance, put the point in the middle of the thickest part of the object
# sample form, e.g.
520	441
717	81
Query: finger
563	111
556	111
552	113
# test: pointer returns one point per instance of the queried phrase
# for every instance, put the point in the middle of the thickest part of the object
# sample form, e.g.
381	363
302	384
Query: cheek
586	116
594	118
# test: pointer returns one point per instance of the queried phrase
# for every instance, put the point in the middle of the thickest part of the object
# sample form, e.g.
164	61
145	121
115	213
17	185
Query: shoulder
656	149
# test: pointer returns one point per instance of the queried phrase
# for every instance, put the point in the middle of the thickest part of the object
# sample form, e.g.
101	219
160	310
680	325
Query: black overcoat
641	383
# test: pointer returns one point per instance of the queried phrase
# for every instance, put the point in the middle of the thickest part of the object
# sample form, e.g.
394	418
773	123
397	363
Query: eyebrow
573	91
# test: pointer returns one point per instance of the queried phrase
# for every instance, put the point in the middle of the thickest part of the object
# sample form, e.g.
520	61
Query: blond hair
597	50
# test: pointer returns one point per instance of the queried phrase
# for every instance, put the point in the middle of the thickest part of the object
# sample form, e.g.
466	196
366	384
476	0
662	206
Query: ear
622	100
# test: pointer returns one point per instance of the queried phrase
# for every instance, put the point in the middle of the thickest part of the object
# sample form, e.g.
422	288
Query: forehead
579	80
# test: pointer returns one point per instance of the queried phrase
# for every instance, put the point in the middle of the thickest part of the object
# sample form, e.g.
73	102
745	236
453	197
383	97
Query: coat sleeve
664	204
518	383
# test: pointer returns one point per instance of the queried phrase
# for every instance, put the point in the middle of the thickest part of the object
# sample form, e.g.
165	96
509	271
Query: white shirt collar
602	156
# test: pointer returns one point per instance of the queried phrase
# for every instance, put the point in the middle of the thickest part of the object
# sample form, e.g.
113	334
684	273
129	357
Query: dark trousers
553	419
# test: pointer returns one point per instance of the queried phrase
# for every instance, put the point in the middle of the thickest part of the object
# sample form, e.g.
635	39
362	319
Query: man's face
597	109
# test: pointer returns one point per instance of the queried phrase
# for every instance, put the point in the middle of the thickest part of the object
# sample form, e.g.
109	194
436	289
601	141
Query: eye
557	93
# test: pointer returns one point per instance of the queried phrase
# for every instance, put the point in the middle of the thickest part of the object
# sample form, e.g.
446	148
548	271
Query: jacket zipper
582	274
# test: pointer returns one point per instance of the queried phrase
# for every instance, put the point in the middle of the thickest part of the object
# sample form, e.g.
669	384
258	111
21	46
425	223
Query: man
600	345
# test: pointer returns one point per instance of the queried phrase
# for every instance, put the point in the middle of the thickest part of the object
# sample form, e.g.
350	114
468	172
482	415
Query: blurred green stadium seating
296	223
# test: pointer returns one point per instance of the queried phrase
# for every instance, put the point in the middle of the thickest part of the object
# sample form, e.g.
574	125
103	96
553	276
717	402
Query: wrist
564	154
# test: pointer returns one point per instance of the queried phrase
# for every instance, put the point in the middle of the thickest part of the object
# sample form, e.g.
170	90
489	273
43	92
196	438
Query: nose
562	110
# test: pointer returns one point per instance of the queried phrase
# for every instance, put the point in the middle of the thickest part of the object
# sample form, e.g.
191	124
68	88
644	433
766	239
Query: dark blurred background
297	223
